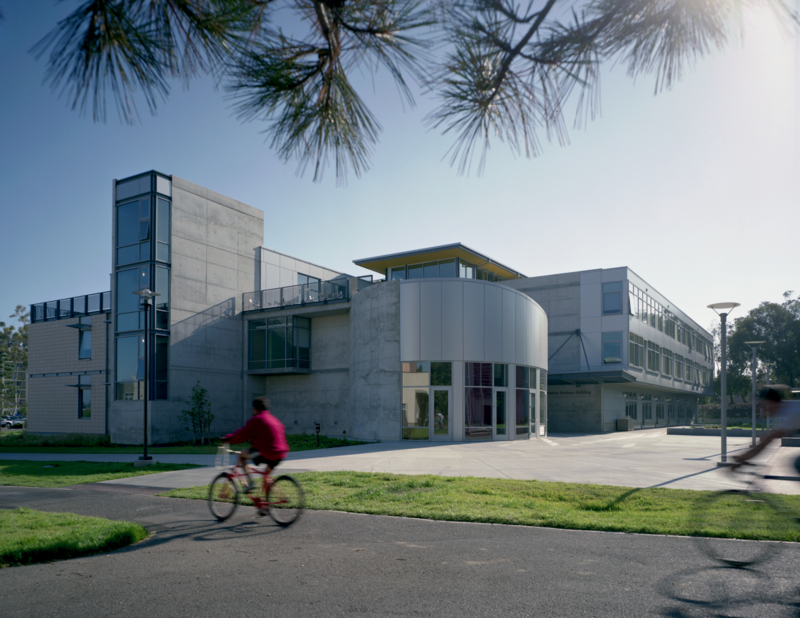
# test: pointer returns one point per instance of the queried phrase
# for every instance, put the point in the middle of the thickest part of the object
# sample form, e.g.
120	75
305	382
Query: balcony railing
316	293
76	306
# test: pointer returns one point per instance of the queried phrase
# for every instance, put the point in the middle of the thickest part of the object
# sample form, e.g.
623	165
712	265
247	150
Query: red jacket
266	433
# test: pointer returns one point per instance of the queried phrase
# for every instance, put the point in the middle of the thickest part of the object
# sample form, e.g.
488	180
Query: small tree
198	417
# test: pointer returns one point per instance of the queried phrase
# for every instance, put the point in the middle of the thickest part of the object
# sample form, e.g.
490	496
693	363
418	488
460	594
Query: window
612	348
653	357
133	232
85	338
678	367
635	350
500	375
398	272
130	367
162	230
478	401
161	307
659	410
84	396
277	343
631	405
666	362
525	400
129	317
612	297
647	407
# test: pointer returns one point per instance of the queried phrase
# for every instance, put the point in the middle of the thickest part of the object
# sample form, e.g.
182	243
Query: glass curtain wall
142	261
426	405
279	343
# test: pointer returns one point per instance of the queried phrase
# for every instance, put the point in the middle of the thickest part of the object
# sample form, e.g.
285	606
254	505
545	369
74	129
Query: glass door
500	415
440	413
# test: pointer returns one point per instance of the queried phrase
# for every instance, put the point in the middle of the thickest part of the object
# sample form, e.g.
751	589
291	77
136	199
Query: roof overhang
591	377
380	263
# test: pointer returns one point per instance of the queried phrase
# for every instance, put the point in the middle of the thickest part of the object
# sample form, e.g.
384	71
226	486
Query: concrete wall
375	369
215	242
53	351
575	409
277	270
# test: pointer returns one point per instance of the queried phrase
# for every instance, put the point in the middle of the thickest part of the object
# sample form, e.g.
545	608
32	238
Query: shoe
250	488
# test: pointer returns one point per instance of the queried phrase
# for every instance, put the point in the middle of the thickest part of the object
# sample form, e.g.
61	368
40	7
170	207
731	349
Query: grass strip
65	473
531	503
29	537
22	442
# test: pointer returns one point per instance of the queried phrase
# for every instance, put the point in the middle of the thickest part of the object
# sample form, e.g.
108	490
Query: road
335	564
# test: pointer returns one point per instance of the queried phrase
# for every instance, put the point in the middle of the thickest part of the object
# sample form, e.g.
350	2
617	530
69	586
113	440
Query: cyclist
267	436
787	416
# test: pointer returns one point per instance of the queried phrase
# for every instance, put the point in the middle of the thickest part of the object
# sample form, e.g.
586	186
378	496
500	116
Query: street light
722	310
754	346
146	296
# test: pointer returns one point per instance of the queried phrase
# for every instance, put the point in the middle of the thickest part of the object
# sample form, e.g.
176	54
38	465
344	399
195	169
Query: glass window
415	414
127	284
163	185
612	348
653	357
415	271
466	270
500	375
85	341
635	350
127	255
478	412
478	374
447	268
144	230
523	405
416	374
84	397
127	223
431	270
161	372
130	355
500	412
441	374
523	376
612	297
398	272
162	221
666	362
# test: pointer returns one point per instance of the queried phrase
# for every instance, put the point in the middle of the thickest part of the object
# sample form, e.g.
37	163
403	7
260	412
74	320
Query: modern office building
451	345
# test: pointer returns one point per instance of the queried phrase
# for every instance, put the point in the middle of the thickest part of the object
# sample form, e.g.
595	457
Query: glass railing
296	295
76	306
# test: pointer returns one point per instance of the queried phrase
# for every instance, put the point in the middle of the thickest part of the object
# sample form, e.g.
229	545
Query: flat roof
380	263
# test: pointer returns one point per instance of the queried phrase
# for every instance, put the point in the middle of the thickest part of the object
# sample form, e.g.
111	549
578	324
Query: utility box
625	424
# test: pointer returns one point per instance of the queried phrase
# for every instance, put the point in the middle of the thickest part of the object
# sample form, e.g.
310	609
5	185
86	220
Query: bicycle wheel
286	500
223	496
746	519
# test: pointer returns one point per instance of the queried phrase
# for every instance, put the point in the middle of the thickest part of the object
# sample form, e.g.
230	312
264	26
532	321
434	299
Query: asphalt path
334	564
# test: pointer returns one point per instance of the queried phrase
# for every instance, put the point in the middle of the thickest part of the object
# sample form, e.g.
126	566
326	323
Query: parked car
18	421
5	422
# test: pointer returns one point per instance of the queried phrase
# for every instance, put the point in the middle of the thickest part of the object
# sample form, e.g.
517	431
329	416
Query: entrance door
500	422
440	414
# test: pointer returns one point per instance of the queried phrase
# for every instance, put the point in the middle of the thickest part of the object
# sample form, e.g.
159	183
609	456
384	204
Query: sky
697	189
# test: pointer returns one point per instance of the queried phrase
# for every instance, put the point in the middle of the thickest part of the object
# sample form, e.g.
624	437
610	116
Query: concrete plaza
646	458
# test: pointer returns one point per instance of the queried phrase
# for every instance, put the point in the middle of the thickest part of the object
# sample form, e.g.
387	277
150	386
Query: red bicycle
282	497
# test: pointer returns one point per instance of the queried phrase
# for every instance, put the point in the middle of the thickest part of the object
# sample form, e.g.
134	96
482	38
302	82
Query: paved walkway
645	458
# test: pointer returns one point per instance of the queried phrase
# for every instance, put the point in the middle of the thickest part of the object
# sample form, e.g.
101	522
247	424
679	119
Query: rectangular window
84	396
659	410
647	407
466	270
415	271
398	272
612	297
666	362
635	350
278	343
500	375
447	268
85	339
478	411
478	374
415	414
523	406
130	367
653	357
161	368
678	367
631	401
612	348
523	377
441	374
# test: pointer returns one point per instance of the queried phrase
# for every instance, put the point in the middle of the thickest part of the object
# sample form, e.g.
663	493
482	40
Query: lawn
65	473
530	503
28	537
22	442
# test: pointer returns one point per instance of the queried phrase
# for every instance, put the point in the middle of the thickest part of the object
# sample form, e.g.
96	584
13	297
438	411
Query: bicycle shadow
729	592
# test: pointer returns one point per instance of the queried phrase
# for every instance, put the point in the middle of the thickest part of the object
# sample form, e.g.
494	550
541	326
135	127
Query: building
450	345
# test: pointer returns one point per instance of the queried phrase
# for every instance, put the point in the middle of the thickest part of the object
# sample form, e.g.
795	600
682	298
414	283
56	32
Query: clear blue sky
695	189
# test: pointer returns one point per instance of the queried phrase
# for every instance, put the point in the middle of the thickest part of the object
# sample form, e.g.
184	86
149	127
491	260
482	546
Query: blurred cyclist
787	416
267	436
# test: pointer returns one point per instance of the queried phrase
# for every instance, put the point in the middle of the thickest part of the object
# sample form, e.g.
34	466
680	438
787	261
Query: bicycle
752	514
281	497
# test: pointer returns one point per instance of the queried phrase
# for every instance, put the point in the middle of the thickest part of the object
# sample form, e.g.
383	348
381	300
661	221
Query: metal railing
88	304
296	295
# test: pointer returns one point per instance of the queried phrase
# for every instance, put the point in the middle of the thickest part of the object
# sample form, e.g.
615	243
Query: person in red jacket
266	434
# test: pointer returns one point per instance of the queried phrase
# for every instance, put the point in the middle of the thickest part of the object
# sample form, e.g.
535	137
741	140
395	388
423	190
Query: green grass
65	473
530	503
29	537
22	442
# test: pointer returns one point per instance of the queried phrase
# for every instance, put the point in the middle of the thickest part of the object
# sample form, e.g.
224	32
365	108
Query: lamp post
754	346
146	296
722	310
